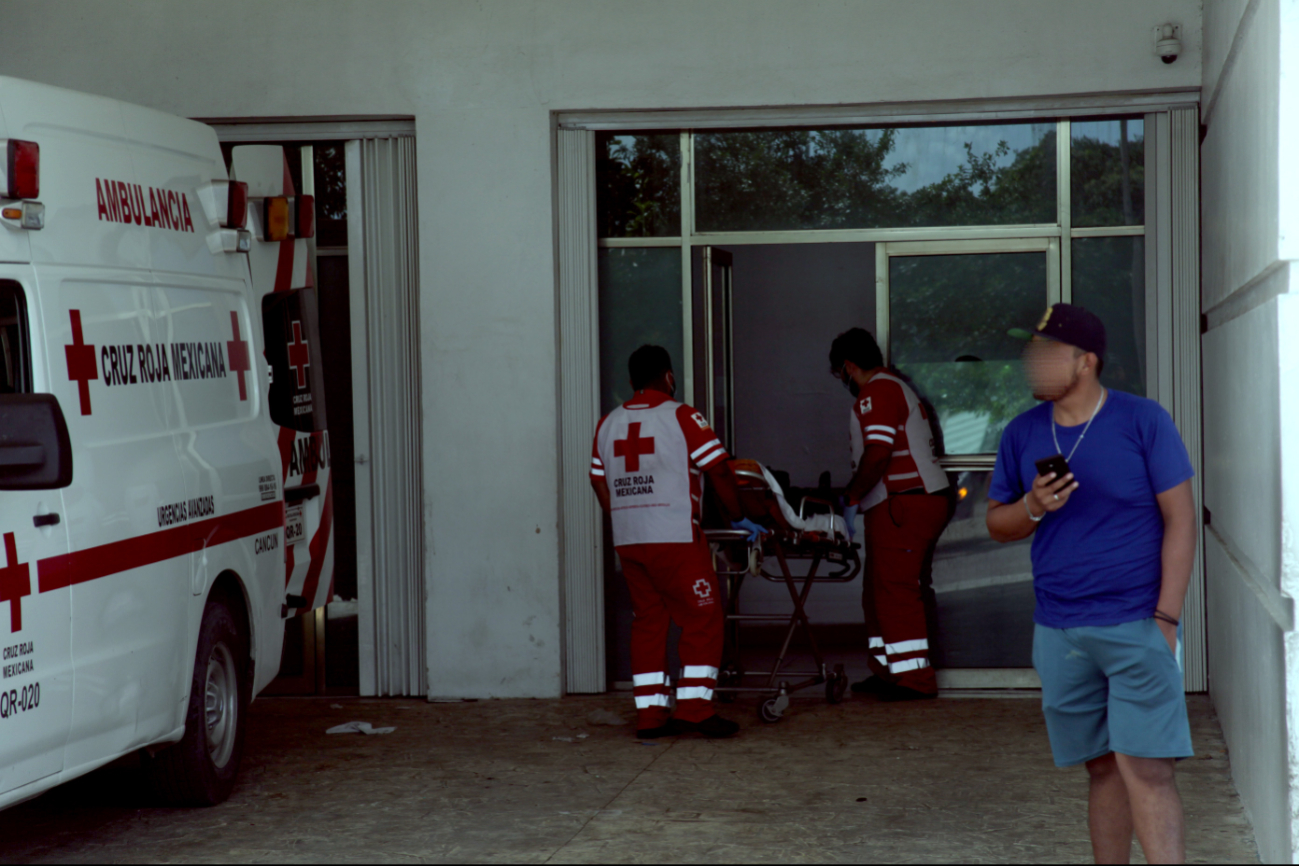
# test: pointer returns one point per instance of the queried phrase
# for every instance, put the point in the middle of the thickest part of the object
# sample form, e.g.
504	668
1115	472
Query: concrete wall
481	80
1250	413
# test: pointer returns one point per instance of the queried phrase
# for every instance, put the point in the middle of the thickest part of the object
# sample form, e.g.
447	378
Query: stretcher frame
758	504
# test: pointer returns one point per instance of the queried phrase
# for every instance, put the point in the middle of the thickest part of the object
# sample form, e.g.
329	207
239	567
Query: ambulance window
15	349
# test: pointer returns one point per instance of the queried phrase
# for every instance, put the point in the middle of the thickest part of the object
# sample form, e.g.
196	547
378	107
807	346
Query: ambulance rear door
296	397
35	635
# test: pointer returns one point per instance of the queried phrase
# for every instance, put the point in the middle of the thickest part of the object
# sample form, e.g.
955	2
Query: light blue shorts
1115	688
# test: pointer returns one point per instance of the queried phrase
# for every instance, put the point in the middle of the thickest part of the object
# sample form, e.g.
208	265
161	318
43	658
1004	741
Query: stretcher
789	537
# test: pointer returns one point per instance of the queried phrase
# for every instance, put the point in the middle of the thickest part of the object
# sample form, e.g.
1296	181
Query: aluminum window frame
1162	112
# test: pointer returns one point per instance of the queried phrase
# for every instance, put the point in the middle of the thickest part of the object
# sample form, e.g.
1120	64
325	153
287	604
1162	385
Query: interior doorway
370	638
320	655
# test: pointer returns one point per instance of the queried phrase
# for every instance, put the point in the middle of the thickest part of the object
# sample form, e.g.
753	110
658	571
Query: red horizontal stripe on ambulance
93	563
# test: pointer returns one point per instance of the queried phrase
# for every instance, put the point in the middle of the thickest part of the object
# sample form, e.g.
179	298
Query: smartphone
1056	464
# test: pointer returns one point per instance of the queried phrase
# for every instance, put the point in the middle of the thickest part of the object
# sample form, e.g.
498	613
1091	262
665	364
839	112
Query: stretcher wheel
731	676
836	685
773	708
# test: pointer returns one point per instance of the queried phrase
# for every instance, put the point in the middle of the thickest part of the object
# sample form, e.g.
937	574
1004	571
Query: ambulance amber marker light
12	213
24	169
276	212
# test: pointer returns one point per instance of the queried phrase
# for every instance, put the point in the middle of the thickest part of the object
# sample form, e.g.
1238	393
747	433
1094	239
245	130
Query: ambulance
165	499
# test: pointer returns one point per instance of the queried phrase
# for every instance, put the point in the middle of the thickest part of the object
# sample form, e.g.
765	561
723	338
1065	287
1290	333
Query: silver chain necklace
1060	450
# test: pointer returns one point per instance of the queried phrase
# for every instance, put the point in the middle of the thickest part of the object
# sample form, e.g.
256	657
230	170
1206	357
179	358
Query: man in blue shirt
1113	546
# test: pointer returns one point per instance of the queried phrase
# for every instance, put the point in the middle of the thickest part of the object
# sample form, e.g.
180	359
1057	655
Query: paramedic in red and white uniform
647	469
898	484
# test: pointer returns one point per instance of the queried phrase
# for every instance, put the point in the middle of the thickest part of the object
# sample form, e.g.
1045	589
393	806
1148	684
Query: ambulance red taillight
306	227
237	205
275	213
24	169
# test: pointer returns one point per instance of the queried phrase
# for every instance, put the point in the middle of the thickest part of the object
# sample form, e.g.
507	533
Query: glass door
720	354
943	310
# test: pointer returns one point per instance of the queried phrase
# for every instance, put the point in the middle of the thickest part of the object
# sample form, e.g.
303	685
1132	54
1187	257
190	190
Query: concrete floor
953	780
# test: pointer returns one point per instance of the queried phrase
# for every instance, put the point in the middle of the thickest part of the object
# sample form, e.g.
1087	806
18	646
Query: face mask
849	385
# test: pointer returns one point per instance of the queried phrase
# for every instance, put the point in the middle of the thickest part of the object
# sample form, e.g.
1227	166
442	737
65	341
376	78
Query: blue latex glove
755	531
850	519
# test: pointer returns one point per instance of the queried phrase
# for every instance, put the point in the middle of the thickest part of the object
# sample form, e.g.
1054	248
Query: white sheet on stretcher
827	523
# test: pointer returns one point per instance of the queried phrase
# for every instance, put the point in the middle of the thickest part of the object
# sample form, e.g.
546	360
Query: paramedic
898	485
1113	546
647	469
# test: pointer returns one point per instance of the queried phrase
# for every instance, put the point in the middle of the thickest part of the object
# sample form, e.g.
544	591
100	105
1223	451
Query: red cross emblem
631	448
15	582
299	355
81	362
237	349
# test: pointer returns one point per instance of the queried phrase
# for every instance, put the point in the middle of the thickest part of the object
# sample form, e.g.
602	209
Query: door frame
1172	280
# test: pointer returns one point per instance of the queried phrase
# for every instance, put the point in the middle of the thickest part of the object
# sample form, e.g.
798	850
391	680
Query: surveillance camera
1168	42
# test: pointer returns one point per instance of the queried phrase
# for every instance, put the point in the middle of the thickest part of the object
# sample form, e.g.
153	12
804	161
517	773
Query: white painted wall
1251	408
481	80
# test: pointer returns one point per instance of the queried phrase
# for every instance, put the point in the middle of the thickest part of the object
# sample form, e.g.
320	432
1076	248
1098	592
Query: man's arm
1178	507
874	460
723	481
601	488
1009	521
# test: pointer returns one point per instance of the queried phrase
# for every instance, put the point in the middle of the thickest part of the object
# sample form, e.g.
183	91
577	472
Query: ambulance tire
200	770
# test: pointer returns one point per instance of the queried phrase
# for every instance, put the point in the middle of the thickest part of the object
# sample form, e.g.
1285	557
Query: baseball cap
1066	323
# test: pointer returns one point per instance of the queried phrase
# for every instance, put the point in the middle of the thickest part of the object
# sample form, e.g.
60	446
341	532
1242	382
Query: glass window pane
638	185
948	321
15	353
1107	172
1109	278
982	588
640	302
876	178
331	195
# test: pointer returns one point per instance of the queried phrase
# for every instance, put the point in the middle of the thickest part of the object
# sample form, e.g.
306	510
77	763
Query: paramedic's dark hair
648	363
856	345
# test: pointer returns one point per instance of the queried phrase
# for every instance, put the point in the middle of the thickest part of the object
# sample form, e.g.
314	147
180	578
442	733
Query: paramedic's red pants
673	582
902	532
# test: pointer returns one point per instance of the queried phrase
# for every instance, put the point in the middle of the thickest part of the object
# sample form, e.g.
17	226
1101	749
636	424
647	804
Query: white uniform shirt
651	451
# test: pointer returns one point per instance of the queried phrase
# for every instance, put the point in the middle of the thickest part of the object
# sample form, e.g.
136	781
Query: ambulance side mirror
35	450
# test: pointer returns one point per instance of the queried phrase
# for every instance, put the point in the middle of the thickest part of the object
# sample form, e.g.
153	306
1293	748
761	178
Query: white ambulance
164	472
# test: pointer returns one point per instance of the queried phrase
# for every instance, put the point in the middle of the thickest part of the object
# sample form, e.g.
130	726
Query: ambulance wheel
769	711
200	770
836	685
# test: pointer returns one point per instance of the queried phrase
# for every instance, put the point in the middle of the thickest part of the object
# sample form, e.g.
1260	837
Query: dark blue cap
1066	323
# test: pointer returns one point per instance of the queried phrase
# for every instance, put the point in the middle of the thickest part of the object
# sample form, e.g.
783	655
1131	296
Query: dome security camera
1168	42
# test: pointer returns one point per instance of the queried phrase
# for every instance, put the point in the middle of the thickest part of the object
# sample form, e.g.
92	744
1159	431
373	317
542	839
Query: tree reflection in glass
1107	172
876	178
638	185
948	321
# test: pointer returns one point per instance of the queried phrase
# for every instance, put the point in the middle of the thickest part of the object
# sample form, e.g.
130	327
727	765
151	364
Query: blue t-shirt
1098	560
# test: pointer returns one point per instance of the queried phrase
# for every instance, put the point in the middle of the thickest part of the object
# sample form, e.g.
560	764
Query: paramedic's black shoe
714	727
872	685
894	694
663	730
